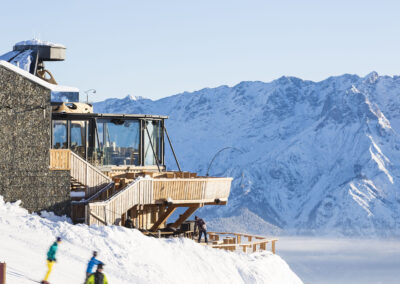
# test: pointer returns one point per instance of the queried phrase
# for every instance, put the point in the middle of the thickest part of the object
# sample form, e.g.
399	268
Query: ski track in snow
130	257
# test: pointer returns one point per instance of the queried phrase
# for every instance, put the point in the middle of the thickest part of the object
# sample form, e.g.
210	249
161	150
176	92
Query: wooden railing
146	191
88	175
80	170
244	242
110	211
190	189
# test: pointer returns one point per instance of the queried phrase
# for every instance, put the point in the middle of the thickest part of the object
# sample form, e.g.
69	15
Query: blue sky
161	48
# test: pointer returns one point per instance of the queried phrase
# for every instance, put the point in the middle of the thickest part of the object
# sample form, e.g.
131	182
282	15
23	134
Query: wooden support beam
98	218
105	215
273	246
163	217
182	218
140	217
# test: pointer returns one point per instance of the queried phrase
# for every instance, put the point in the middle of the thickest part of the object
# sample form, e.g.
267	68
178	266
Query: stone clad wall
25	129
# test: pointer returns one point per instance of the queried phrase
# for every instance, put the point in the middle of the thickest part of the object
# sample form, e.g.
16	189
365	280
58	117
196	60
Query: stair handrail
129	189
143	190
94	196
88	175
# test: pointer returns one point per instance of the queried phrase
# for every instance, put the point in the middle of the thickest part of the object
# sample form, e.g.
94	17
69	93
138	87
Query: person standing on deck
92	262
98	277
202	227
129	223
51	258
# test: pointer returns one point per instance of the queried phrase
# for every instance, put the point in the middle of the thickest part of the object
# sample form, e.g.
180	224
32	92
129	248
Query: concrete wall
25	129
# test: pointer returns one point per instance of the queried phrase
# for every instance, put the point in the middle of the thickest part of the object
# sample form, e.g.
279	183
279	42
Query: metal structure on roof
30	56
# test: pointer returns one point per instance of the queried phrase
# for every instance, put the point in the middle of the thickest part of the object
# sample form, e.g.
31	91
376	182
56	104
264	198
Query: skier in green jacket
51	259
98	277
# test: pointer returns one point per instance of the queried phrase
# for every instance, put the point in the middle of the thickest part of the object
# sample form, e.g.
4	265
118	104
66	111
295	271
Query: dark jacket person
98	277
129	223
202	227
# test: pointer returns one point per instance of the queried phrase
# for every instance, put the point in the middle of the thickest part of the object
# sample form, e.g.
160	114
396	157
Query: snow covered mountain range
307	157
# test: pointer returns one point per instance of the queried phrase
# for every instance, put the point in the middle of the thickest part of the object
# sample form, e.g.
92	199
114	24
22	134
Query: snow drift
310	157
130	257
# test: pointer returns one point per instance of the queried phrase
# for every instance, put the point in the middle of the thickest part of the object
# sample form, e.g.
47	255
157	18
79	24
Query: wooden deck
149	197
161	195
240	242
235	242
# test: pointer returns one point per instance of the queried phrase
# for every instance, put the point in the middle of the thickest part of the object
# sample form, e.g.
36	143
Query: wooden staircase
150	201
77	186
78	190
87	182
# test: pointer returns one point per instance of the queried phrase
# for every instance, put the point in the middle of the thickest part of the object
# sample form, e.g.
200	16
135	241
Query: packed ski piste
50	248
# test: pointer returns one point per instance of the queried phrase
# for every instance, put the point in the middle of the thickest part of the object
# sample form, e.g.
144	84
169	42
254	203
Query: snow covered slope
311	157
130	257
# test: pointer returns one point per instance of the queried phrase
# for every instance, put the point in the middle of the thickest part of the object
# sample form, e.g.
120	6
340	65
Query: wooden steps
78	190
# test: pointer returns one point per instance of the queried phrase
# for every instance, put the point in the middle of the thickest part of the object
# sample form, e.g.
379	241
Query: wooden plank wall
217	188
196	189
60	159
178	189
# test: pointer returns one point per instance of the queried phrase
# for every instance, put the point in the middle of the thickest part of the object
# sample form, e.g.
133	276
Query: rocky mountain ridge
307	157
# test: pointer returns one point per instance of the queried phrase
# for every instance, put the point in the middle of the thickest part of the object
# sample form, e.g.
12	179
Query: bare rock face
310	158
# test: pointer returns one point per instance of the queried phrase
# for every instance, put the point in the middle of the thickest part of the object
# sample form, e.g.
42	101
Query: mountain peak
322	157
135	98
372	77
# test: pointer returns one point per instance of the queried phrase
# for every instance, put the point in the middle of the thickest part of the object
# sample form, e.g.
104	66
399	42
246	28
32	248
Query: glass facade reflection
60	130
152	134
78	137
118	141
111	141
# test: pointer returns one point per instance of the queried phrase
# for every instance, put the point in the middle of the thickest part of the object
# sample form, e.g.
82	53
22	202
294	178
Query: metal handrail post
172	148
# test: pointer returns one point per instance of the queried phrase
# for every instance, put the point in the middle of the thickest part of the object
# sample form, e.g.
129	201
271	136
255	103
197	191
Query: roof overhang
107	115
37	80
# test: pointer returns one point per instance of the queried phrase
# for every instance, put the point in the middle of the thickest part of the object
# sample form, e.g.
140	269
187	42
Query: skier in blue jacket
92	262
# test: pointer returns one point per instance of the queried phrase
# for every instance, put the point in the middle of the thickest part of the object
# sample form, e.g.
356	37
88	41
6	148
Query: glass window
118	141
154	131
60	134
78	137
